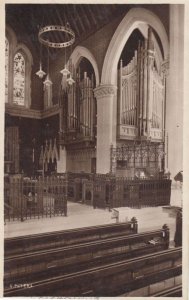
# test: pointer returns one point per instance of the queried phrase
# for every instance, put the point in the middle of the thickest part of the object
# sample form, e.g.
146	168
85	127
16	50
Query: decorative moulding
105	90
18	110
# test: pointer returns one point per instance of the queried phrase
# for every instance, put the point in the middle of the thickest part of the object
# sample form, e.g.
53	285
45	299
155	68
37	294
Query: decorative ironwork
26	198
47	196
19	79
59	28
144	155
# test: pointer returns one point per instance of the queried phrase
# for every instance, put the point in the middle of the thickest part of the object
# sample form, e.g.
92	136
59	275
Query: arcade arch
77	55
133	19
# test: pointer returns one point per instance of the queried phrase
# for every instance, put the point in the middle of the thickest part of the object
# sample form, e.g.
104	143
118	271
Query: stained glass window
19	79
6	68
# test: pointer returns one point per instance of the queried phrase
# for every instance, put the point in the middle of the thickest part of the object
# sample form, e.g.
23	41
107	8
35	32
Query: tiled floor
80	215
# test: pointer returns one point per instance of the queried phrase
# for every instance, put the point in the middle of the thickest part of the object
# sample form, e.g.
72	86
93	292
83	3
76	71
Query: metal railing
26	198
47	196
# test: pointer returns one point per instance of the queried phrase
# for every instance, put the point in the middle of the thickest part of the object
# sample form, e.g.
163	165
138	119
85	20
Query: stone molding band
105	90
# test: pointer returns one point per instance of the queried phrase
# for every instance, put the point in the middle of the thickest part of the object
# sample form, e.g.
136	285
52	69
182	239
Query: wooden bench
44	241
111	279
44	264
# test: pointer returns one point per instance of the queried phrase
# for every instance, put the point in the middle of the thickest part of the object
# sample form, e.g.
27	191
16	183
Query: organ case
141	96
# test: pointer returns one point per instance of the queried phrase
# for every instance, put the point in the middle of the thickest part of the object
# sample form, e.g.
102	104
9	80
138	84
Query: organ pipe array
141	95
86	106
78	115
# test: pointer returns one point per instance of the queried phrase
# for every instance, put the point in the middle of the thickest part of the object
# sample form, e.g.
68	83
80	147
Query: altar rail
47	197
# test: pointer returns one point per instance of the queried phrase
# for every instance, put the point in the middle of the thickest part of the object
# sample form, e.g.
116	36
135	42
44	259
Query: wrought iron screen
145	156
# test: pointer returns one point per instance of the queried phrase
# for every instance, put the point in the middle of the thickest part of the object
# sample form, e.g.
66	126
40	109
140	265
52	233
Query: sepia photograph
93	149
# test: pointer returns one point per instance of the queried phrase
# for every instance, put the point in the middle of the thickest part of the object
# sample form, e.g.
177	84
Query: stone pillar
174	103
61	163
106	96
165	74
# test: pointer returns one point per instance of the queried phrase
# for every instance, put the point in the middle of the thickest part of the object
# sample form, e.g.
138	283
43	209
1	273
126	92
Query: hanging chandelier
44	40
66	29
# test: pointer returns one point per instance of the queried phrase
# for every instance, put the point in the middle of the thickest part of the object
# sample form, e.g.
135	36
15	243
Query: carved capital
105	91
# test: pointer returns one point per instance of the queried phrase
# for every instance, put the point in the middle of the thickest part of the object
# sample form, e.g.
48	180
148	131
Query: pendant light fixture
65	72
47	81
40	73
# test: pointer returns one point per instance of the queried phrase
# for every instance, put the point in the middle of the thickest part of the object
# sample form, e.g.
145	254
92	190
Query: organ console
141	95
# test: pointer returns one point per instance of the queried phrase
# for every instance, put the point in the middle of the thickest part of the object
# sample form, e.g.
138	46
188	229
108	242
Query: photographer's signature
21	285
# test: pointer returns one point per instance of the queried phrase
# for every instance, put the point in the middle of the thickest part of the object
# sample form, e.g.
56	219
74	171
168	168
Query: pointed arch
6	69
14	48
130	22
24	49
80	52
11	37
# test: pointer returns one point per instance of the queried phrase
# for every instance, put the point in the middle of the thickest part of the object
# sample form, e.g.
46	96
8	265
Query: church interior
93	150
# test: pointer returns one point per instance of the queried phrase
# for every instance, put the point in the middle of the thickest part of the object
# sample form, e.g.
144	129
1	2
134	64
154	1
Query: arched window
6	68
19	79
18	66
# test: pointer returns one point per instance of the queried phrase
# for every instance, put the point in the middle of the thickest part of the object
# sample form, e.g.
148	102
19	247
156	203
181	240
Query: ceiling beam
83	12
62	21
89	9
56	21
106	12
72	18
79	20
51	35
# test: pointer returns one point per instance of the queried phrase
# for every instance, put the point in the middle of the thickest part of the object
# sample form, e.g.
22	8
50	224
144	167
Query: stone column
165	74
106	96
174	103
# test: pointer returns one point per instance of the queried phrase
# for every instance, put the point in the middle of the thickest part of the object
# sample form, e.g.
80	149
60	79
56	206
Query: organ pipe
81	107
141	95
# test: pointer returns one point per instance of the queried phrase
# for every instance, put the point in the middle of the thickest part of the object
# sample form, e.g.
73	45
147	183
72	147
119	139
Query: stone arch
80	52
128	24
24	49
15	47
11	36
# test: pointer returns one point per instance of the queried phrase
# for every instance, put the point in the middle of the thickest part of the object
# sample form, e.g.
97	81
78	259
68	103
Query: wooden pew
111	279
175	291
45	264
50	240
